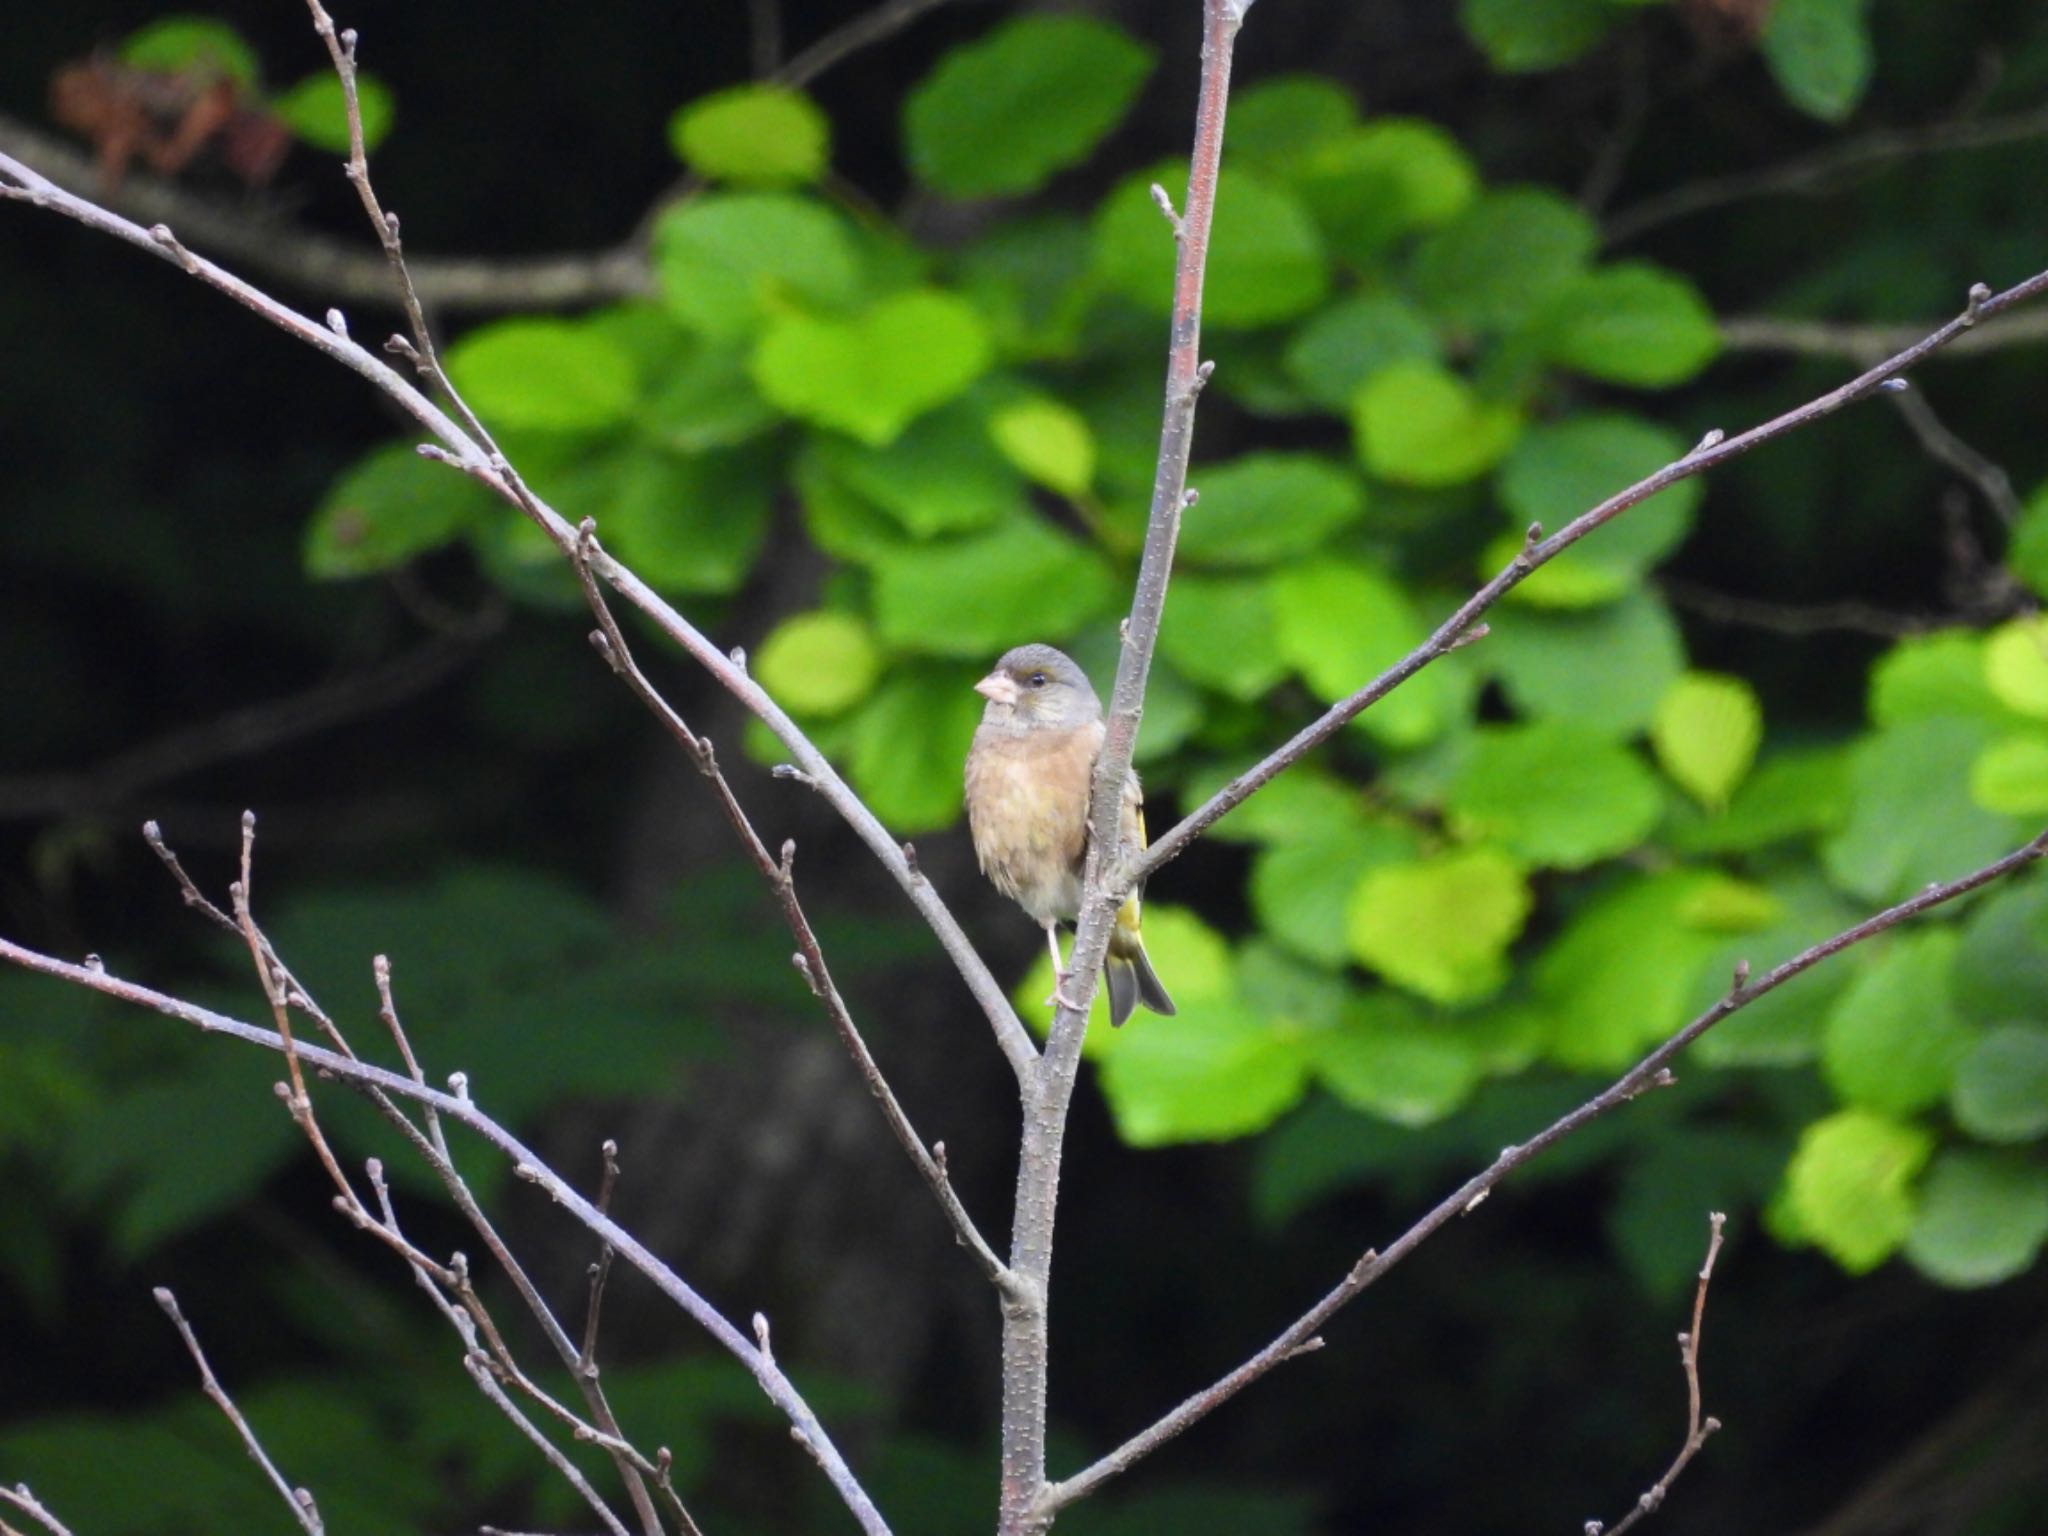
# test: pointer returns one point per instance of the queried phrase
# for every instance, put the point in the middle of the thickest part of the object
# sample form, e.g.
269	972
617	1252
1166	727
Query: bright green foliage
318	112
1222	634
1631	324
1387	1058
1983	1218
1340	625
1911	820
549	374
937	478
760	134
1706	733
1277	122
1892	1040
1820	53
1525	35
1338	348
198	45
1301	888
1553	793
1266	507
872	375
1603	669
1999	975
972	596
1267	262
1417	423
728	260
820	663
1937	676
1464	271
2001	1087
908	743
1440	927
2016	666
1849	1186
1033	97
686	523
391	507
1392	177
2010	776
2027	555
1222	1071
1048	441
1555	473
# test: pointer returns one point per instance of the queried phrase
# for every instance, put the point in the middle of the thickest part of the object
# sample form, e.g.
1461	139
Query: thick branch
526	1165
1712	452
1652	1071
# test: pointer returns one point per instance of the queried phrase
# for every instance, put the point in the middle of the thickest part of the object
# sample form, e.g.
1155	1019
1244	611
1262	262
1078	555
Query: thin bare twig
1697	1428
1859	343
525	1165
302	1506
1716	449
1797	620
1824	169
1651	1072
26	1502
864	31
809	959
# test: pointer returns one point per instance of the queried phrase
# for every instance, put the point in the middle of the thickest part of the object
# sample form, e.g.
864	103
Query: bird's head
1035	686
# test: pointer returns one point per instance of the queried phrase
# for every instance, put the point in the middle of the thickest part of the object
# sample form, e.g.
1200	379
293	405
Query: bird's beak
997	688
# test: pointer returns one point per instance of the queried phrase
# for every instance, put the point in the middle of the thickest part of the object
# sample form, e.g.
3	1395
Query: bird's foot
1059	998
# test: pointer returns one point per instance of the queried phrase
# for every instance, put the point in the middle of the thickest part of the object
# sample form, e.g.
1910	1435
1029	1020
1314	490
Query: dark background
159	450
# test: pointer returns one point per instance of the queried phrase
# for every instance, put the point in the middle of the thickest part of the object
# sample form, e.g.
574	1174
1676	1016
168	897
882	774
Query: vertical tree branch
1050	1088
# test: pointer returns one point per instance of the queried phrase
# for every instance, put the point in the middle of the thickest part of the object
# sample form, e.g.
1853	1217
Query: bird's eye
1037	680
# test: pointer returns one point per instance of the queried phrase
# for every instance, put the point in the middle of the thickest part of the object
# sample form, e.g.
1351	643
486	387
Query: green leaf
1983	1218
1999	976
2010	777
1553	793
1195	960
1266	259
555	375
759	133
1418	423
1935	677
1558	470
1339	346
1522	36
978	596
687	524
941	476
1849	1185
1784	1027
1622	973
1657	1220
1303	802
908	744
1793	794
1388	1060
1504	257
871	376
1048	441
1631	323
1391	177
1278	121
1301	889
196	45
2016	665
2026	556
1604	669
1911	821
2001	1087
728	260
706	399
1219	631
1214	1072
1892	1040
391	506
1340	624
1267	506
1706	733
819	663
318	112
1819	52
1034	96
1440	927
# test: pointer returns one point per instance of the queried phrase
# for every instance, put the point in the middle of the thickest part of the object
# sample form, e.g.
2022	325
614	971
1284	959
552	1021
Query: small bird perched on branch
1028	775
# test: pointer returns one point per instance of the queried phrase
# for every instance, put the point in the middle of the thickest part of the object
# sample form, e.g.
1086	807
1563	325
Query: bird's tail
1130	976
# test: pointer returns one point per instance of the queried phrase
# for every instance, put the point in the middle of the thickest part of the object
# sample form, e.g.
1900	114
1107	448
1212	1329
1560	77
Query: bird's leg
1059	968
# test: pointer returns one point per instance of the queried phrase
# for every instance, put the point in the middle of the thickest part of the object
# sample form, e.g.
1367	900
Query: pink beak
997	688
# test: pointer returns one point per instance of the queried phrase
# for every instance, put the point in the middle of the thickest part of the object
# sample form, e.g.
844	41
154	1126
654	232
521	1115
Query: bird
1028	776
